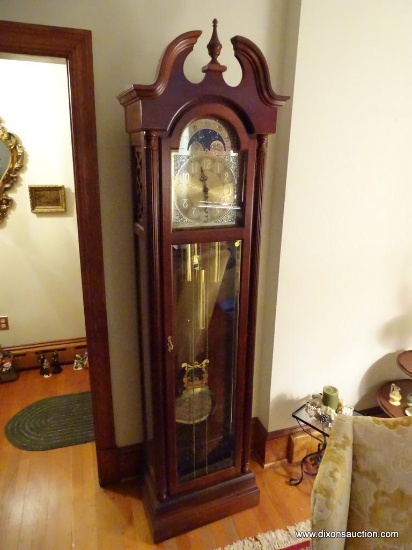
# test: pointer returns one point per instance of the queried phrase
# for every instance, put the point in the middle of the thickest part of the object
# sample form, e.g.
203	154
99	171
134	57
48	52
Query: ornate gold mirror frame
11	162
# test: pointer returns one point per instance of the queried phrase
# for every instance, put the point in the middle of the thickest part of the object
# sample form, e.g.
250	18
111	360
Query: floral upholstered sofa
364	486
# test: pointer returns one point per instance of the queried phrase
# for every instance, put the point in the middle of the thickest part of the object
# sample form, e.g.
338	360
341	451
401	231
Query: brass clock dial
205	190
206	176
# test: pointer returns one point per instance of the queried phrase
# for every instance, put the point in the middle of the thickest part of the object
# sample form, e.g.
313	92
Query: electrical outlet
4	322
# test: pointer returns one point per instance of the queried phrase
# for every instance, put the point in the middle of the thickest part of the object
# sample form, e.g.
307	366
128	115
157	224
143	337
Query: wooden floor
51	500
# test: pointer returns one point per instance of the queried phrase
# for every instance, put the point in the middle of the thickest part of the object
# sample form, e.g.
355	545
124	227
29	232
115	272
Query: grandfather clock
198	156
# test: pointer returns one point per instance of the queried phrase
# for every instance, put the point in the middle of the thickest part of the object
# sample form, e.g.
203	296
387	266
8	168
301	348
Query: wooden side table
383	397
405	362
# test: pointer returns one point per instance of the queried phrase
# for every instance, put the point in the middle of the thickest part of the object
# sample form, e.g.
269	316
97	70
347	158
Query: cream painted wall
40	287
272	220
344	305
128	39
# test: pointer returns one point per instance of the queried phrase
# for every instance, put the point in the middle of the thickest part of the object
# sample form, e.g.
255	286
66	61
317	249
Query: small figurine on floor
6	362
55	363
41	359
86	360
8	373
78	363
46	369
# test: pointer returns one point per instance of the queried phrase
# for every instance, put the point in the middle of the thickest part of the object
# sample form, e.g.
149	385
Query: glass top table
308	424
302	416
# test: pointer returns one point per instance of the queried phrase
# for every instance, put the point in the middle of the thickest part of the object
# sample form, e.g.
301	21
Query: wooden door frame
75	46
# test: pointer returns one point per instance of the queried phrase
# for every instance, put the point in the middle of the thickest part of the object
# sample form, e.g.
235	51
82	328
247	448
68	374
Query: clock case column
151	114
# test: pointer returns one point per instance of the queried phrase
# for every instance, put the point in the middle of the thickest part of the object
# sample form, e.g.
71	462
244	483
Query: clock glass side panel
207	176
206	280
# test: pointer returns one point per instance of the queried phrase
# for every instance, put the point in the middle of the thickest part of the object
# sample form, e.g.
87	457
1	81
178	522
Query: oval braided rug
52	423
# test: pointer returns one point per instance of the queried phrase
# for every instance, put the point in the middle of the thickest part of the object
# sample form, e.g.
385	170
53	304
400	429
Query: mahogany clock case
198	159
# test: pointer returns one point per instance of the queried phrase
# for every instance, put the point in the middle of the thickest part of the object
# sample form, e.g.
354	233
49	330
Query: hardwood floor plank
35	510
198	539
85	484
168	545
14	514
141	525
245	523
224	532
58	525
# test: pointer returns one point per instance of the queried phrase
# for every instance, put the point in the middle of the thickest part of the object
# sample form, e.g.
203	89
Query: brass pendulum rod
202	299
216	264
188	262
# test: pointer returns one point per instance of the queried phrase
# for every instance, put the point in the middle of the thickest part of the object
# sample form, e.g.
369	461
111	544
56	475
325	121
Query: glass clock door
206	279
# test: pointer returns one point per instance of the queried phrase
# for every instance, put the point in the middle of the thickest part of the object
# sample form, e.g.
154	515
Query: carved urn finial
214	48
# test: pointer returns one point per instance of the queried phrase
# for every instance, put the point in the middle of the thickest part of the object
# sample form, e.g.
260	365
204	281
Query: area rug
53	422
273	540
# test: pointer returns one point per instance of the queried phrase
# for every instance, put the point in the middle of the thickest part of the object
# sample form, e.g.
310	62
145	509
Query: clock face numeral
227	190
206	176
207	164
194	168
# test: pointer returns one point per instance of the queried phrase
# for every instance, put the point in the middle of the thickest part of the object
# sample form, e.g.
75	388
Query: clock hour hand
203	178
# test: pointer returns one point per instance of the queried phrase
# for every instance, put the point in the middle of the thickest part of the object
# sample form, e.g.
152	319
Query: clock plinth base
182	513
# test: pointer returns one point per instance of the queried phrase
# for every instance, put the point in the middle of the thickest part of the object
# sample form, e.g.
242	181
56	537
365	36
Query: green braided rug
53	422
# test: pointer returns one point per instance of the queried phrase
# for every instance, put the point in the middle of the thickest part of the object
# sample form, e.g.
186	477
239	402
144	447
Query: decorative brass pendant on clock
196	401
